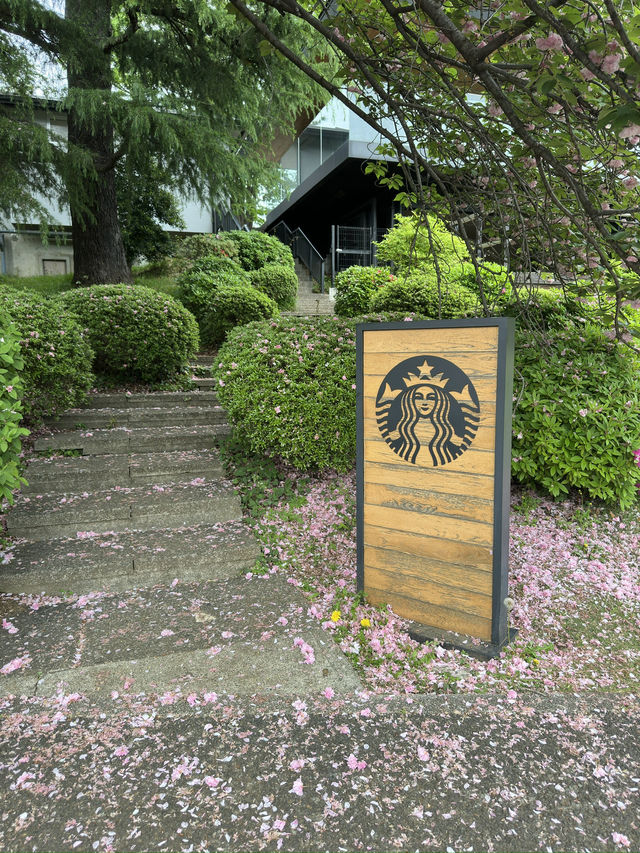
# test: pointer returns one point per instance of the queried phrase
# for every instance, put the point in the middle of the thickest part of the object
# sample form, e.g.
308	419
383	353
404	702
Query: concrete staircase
132	494
309	303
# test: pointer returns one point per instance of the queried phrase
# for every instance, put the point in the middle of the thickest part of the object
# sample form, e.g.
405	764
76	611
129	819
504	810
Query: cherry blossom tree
522	114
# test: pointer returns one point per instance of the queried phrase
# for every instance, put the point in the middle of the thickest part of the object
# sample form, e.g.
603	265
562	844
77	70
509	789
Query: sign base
450	640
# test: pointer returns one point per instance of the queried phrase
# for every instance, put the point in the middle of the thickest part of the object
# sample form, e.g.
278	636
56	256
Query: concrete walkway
154	695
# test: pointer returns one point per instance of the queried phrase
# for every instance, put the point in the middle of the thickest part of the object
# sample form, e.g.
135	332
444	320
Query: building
22	250
339	208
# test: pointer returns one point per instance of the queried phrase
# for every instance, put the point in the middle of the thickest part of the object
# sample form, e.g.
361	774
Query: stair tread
113	502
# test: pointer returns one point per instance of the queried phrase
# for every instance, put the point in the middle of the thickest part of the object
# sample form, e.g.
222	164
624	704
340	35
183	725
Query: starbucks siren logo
427	410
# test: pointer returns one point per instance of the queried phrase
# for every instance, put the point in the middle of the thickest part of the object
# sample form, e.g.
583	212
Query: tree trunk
98	251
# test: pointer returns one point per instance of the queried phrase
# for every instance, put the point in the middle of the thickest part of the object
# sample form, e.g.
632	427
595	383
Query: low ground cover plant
56	353
11	433
135	332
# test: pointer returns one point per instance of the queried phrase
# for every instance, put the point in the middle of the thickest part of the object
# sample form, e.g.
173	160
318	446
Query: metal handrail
226	221
303	249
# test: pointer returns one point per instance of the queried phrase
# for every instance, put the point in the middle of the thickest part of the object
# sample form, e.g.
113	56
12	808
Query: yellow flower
365	623
335	615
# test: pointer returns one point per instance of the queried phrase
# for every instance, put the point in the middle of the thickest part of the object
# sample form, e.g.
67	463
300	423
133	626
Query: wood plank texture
428	532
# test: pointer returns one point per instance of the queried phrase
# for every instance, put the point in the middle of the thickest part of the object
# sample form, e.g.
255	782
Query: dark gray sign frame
500	633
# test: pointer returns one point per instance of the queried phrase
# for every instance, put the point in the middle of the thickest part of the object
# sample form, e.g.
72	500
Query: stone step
146	507
135	416
80	473
117	561
226	636
204	382
153	400
203	360
125	440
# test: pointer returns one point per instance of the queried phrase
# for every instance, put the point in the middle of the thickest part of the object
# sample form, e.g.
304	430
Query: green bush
419	293
497	283
287	385
204	245
257	249
577	420
11	364
549	308
197	285
355	286
136	333
413	243
56	354
234	305
279	282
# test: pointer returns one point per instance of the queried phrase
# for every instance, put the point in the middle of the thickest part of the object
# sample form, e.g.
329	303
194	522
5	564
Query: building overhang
340	176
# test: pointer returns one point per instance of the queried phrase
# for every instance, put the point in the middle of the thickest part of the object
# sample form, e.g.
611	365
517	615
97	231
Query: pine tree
185	82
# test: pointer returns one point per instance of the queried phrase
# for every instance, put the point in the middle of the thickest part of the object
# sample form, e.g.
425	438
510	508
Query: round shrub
256	249
497	282
548	308
577	420
11	365
414	242
233	305
56	353
355	286
197	284
288	386
136	333
419	293
203	245
279	282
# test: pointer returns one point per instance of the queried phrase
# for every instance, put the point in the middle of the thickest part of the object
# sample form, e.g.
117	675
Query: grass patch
51	285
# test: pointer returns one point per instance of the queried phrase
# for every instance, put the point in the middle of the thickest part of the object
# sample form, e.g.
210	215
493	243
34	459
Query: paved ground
155	697
211	772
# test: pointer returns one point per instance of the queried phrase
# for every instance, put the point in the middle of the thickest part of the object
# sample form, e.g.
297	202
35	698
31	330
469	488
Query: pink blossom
212	781
618	838
611	63
121	751
552	42
297	787
16	663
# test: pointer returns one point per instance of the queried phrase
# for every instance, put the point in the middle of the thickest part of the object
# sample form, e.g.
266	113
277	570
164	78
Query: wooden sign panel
434	460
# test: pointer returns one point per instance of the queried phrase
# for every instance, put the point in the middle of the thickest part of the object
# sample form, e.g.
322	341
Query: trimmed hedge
136	333
234	305
288	385
279	282
257	249
197	285
419	293
56	353
203	245
577	422
412	244
355	286
11	433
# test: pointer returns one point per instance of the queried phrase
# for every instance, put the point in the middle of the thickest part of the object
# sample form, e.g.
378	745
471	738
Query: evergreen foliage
233	305
188	85
136	333
279	281
56	354
256	249
11	433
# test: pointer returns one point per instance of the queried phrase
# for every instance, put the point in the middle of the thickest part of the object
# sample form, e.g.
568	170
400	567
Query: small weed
527	505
